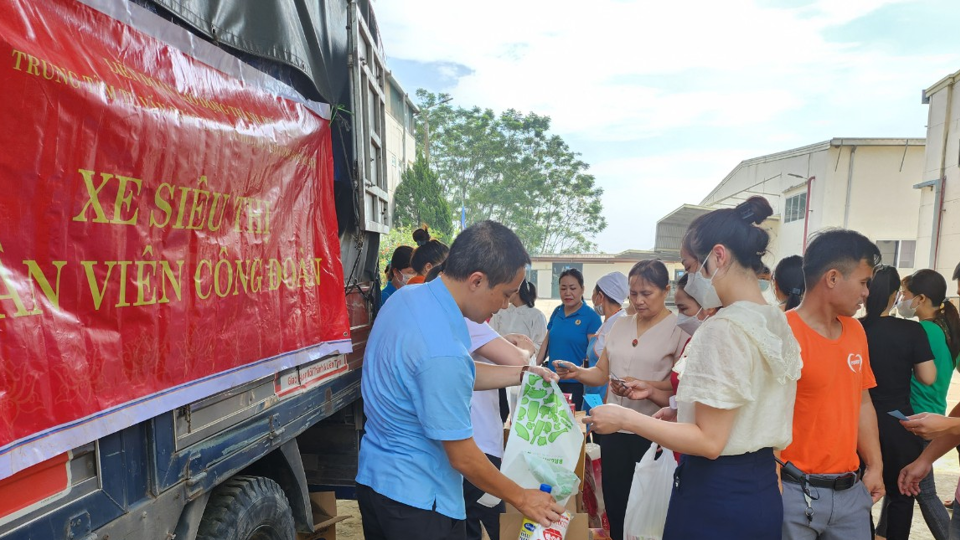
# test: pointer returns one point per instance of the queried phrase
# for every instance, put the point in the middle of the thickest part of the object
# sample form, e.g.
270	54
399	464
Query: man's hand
545	373
523	342
873	481
606	418
565	369
912	474
930	426
540	507
667	414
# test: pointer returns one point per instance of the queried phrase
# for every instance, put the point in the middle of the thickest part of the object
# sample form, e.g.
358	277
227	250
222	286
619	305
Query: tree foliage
509	168
419	200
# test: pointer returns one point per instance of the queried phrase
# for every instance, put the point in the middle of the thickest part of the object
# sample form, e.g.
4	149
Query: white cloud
610	71
638	191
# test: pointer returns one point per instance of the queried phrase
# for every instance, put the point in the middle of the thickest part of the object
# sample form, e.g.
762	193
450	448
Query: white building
861	184
938	241
401	141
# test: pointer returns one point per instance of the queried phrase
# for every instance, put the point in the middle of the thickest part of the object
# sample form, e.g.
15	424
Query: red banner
161	224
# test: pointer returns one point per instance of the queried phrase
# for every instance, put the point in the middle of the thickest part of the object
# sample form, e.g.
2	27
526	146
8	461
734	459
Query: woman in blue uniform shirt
569	331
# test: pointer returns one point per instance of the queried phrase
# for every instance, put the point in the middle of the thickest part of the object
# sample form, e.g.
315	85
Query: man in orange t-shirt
833	418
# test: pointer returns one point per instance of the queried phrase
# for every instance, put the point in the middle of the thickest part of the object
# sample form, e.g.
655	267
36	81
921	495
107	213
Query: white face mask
702	290
764	285
406	277
905	308
687	323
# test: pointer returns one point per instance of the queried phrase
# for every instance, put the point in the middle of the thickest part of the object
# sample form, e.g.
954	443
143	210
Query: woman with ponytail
788	282
899	351
738	385
923	295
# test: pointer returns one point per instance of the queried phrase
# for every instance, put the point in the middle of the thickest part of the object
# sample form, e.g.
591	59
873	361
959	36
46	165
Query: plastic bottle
528	526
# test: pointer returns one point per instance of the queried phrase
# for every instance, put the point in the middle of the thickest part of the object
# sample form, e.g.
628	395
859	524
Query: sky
664	99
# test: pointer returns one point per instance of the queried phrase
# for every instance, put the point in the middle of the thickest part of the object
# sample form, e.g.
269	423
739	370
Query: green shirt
933	398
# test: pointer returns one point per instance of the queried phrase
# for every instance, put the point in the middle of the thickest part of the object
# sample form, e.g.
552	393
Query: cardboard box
579	525
325	518
510	527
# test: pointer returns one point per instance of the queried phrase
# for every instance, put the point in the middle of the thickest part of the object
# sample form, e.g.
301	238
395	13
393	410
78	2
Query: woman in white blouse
737	389
643	346
521	317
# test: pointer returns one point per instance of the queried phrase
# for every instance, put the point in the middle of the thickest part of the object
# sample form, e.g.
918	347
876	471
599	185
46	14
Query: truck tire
247	508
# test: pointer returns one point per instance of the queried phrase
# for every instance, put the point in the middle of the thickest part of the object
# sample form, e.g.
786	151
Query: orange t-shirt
416	279
826	416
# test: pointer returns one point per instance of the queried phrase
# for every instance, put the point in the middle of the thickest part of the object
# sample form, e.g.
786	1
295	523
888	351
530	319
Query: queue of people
792	417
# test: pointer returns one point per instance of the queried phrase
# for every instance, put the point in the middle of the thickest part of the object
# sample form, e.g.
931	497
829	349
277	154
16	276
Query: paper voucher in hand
542	427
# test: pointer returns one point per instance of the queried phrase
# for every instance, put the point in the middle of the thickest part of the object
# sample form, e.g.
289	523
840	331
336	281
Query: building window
796	208
395	104
533	276
898	253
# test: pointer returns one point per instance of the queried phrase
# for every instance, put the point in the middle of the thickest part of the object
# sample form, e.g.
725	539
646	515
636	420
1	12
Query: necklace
650	324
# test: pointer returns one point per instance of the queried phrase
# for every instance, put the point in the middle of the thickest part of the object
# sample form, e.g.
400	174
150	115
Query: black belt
836	483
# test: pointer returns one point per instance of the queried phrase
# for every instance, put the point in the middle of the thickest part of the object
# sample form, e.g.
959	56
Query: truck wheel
247	508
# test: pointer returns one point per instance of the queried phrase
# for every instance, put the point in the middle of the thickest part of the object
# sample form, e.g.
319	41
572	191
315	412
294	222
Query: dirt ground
946	471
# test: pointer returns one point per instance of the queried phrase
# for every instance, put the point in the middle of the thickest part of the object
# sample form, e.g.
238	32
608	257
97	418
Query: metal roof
671	227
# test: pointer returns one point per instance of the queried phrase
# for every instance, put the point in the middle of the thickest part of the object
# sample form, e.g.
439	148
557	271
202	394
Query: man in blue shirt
417	383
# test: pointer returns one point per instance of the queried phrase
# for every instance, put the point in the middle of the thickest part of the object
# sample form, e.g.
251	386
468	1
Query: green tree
419	200
509	168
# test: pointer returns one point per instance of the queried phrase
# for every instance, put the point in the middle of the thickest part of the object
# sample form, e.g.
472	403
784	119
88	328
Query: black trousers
576	389
899	448
619	454
478	513
387	519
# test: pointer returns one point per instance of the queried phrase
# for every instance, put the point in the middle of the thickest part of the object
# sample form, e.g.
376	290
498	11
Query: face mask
702	290
406	278
687	323
764	285
599	310
905	308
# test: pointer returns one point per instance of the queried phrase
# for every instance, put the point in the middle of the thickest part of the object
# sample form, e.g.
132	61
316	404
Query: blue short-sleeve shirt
569	334
417	383
387	292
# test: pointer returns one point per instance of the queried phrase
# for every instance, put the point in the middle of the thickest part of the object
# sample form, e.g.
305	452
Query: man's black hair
840	249
486	247
956	272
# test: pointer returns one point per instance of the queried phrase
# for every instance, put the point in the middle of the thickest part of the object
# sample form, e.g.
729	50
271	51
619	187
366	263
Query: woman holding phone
738	385
569	330
643	346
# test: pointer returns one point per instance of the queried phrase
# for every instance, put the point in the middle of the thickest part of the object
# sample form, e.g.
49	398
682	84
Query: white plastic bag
650	496
543	426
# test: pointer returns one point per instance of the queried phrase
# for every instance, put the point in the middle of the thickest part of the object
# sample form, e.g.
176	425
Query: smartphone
614	378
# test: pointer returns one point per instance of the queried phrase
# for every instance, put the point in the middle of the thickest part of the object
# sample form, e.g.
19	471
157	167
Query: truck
192	194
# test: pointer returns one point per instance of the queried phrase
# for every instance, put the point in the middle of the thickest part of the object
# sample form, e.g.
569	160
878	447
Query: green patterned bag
543	427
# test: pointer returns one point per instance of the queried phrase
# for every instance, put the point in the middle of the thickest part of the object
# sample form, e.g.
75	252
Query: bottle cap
545	488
